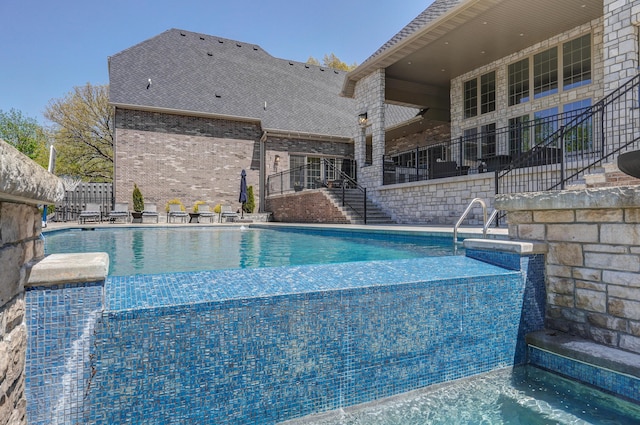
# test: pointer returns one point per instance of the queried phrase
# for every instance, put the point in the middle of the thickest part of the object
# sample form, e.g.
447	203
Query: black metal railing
588	139
345	182
316	176
543	153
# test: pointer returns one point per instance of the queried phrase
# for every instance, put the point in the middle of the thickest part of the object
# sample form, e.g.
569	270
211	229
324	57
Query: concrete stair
355	198
606	176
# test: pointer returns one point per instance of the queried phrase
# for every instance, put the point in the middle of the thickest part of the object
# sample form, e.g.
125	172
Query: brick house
492	79
193	110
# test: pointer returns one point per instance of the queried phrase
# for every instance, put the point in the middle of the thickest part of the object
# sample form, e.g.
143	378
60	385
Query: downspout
263	171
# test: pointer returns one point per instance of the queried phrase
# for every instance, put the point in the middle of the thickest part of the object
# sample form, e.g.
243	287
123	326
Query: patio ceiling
420	67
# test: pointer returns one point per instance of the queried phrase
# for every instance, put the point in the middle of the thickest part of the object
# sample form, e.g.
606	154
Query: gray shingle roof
434	11
212	75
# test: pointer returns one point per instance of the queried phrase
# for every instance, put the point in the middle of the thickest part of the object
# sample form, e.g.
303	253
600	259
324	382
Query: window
488	147
576	62
545	125
579	134
471	144
471	98
487	95
545	73
519	82
519	134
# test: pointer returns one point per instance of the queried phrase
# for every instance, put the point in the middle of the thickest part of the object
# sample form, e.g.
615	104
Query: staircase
354	198
606	176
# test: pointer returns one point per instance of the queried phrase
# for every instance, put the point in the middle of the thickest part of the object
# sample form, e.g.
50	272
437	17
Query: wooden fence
76	200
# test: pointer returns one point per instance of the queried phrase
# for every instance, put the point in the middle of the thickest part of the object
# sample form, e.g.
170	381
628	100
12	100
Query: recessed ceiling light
446	42
521	34
442	70
409	63
482	52
484	23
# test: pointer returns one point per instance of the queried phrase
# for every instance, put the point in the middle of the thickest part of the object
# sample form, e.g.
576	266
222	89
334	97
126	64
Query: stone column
23	185
621	57
369	95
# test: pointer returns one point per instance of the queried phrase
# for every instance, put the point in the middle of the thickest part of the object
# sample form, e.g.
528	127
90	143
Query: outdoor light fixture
362	119
276	161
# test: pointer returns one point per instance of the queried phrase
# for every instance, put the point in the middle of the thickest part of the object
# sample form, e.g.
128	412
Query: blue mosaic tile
298	340
266	345
60	322
616	383
152	291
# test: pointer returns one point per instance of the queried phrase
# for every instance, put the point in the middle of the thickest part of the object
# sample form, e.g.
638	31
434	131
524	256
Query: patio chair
205	212
91	212
120	211
176	211
150	210
227	213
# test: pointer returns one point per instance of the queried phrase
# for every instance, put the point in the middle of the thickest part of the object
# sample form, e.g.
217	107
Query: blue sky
48	47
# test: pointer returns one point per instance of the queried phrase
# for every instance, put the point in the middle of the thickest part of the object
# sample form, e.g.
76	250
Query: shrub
174	201
250	205
138	200
217	209
196	206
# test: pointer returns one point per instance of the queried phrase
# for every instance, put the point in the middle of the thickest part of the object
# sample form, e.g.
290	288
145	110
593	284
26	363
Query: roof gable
203	74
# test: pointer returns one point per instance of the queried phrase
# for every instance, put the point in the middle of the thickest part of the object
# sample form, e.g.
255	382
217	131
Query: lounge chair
150	210
120	211
205	211
91	212
226	212
176	211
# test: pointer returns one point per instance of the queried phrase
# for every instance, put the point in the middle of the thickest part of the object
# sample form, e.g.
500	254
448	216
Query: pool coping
586	351
56	269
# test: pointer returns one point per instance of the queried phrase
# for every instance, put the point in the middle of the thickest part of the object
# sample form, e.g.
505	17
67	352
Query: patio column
369	95
621	54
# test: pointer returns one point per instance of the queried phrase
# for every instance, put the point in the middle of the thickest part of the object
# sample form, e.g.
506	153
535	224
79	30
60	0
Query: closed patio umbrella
243	190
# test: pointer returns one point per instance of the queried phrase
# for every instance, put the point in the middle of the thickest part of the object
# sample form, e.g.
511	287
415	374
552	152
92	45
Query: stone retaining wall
23	184
593	264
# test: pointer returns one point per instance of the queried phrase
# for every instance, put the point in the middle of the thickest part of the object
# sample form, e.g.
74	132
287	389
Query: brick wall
308	206
189	158
441	133
593	264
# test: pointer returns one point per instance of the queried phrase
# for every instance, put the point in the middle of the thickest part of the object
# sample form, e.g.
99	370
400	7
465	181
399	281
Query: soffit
471	35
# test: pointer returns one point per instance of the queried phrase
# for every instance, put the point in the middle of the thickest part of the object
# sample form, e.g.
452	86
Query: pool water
524	395
167	250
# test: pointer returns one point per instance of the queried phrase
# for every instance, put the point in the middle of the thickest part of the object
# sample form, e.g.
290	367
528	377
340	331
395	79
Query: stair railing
345	182
578	143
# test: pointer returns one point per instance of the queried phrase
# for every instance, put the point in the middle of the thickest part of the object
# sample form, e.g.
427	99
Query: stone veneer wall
503	111
308	206
440	201
23	184
593	264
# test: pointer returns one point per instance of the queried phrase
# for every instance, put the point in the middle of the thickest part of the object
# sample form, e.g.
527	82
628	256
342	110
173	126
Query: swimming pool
267	344
523	395
168	250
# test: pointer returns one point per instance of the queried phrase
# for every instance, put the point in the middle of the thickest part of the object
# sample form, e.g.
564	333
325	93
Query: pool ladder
466	212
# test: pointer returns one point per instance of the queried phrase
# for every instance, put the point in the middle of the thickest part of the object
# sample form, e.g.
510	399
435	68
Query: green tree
83	133
332	61
25	134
